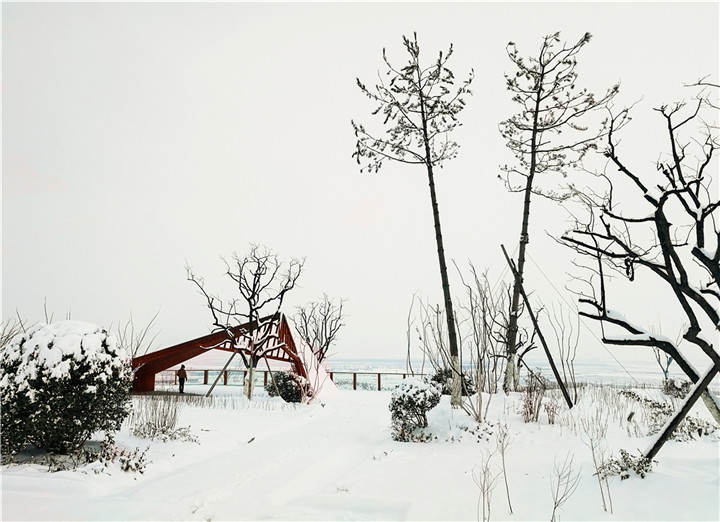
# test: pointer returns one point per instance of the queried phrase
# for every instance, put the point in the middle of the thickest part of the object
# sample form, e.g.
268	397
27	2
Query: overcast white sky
141	137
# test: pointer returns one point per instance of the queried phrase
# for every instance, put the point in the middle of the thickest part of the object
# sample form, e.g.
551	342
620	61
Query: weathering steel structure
277	344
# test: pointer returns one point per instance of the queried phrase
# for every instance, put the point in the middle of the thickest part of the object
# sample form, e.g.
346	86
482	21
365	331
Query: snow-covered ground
335	460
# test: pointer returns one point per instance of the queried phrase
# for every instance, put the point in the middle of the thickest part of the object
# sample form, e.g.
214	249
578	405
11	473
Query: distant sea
592	371
596	370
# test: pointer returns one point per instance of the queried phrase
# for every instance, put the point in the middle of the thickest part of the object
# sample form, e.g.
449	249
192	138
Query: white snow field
335	460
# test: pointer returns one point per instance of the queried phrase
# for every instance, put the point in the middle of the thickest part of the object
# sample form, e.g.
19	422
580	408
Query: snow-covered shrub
129	460
59	384
677	389
409	404
551	407
625	463
106	454
292	387
659	412
444	379
533	396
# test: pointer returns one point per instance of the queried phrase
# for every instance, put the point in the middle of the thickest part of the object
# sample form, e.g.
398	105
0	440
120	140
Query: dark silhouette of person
182	375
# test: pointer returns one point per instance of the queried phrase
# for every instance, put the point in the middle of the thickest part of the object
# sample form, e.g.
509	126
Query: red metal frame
277	344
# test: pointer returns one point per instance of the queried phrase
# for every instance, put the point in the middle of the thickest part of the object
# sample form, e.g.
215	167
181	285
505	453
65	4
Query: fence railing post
168	376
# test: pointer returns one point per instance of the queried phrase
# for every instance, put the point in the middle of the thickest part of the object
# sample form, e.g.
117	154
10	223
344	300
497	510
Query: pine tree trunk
511	370
456	395
456	386
510	382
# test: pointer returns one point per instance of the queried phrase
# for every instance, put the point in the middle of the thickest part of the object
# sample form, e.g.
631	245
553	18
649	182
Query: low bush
533	396
129	460
410	402
444	378
292	387
677	389
107	453
659	412
59	384
624	464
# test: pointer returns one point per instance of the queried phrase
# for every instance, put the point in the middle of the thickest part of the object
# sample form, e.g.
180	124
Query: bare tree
432	335
137	341
486	309
485	324
550	106
594	433
566	328
670	237
420	107
262	281
563	483
503	440
664	361
318	323
485	478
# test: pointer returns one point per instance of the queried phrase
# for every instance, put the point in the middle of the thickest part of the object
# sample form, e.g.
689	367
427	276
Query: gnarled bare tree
420	106
670	236
262	281
547	136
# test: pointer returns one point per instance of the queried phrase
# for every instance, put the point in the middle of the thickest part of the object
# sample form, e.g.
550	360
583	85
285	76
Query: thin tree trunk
249	384
450	316
511	372
250	381
510	381
456	386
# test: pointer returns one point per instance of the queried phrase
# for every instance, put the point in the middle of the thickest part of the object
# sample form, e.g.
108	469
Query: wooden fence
343	379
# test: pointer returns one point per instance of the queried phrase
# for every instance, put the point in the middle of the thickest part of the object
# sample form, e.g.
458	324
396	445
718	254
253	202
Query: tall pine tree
419	106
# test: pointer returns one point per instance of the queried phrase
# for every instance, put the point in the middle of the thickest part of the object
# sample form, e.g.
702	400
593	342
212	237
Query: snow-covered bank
336	461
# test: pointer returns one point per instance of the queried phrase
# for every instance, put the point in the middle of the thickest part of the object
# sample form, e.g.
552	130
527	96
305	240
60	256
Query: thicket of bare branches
10	328
566	327
481	323
137	340
485	309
